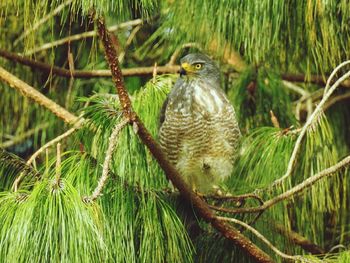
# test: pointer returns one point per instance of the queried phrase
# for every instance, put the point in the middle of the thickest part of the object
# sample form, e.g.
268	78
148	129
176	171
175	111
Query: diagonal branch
172	174
35	95
87	34
298	239
267	242
19	138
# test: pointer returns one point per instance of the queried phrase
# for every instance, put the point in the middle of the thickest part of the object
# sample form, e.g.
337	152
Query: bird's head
199	65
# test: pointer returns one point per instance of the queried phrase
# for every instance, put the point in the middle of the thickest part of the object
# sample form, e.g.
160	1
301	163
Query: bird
199	131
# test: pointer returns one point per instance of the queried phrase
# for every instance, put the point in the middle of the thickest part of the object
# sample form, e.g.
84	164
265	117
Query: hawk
199	132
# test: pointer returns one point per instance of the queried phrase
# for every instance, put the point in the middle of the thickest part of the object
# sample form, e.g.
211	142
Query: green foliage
307	35
265	155
255	94
135	220
258	149
12	166
43	224
129	214
132	159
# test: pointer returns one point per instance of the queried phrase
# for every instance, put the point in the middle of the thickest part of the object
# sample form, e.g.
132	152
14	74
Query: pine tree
82	180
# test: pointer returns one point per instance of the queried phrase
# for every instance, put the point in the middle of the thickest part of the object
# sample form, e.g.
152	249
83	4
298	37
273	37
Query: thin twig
294	190
58	164
128	43
306	126
16	183
32	93
50	143
155	71
177	51
42	21
71	80
17	139
274	120
330	78
112	142
76	37
172	174
305	95
265	240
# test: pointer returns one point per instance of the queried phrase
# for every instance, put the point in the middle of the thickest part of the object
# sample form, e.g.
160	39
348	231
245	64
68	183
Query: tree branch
294	190
204	211
264	239
17	139
105	170
315	79
62	72
336	99
298	239
76	37
32	93
18	180
139	71
309	122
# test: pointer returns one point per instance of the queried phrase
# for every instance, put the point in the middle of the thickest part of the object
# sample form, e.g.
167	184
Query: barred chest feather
200	134
197	97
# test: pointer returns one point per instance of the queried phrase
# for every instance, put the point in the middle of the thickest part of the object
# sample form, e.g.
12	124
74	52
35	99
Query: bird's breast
197	97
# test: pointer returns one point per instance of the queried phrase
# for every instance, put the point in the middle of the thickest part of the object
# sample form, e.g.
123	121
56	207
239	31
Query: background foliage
136	220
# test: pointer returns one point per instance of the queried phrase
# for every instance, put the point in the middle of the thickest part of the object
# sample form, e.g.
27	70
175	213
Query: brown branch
32	93
315	79
298	239
62	72
172	174
296	258
139	71
336	99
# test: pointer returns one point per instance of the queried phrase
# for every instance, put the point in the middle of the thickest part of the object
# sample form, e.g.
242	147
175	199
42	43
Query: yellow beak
187	67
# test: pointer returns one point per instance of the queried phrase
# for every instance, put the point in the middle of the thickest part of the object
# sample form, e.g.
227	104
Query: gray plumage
199	132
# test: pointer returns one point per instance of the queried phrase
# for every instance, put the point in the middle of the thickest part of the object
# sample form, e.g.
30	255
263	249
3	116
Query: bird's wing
162	111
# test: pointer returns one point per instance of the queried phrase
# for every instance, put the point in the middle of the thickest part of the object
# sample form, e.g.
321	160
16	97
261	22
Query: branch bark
32	93
298	239
172	174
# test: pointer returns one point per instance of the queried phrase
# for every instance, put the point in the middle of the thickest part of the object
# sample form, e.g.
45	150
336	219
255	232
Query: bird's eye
198	66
